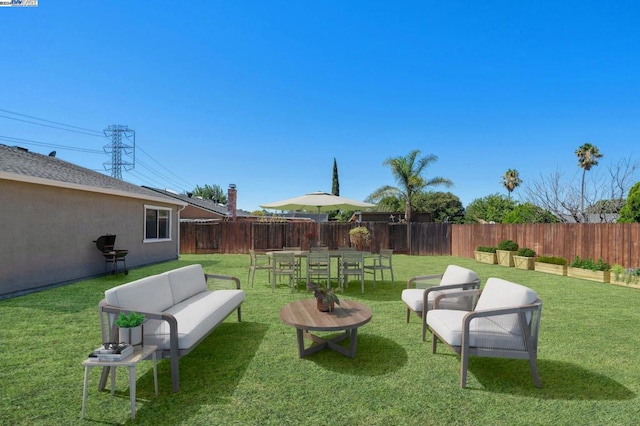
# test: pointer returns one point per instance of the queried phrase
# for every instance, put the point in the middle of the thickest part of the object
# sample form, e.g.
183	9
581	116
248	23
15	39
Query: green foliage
442	206
508	245
335	182
526	252
407	171
554	260
486	249
359	235
630	212
490	209
133	319
529	213
211	192
590	264
511	180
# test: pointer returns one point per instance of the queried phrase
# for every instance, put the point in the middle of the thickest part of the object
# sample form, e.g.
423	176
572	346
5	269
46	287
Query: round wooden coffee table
305	316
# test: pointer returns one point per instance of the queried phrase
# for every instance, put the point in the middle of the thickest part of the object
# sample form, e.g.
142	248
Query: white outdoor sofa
179	308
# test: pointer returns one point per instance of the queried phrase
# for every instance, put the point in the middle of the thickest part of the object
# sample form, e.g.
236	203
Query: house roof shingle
21	165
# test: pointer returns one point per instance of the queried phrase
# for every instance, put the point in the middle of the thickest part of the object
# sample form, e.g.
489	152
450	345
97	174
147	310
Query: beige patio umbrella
318	202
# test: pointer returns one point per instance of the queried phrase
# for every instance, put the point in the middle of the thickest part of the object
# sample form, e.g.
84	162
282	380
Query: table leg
132	390
155	372
84	390
113	380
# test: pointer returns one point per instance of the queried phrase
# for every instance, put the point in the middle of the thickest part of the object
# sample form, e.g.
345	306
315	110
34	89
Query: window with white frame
157	223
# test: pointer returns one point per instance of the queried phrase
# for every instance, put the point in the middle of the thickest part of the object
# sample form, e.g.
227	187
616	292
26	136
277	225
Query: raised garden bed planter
485	257
550	268
523	262
588	274
505	257
621	281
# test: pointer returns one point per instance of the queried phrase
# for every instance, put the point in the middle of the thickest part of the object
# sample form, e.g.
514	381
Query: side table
139	353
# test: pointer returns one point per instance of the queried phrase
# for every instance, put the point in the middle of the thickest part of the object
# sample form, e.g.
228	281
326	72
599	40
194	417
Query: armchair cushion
499	293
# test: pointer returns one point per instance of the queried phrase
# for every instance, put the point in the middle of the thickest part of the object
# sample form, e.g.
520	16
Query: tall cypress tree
335	185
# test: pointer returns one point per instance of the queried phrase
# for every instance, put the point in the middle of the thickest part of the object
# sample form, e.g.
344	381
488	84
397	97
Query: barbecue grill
105	244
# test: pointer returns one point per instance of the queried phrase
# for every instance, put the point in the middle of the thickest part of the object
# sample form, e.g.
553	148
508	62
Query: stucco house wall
47	227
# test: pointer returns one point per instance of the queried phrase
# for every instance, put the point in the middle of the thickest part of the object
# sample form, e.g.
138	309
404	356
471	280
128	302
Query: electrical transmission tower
123	144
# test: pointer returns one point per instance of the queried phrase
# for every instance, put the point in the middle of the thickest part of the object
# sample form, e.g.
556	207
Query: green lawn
249	372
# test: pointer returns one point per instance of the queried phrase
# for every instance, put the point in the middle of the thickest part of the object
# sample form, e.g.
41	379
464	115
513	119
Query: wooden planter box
523	262
505	257
587	274
621	281
550	268
485	257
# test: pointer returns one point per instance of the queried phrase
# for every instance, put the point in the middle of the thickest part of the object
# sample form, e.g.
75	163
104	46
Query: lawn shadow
375	356
560	380
208	375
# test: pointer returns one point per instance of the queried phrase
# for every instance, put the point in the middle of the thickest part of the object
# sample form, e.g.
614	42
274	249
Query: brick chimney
232	198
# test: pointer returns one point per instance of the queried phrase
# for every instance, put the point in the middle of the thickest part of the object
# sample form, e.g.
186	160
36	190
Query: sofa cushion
482	332
499	293
196	317
150	294
186	282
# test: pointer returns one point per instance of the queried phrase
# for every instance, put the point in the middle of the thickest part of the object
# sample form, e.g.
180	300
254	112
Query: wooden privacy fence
613	242
239	237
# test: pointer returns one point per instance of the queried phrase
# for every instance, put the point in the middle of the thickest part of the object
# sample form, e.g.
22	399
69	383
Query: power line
53	127
49	121
161	165
49	145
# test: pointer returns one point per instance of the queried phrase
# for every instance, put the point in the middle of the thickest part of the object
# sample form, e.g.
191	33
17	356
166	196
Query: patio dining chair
420	293
352	264
319	265
383	262
258	263
504	324
283	265
297	261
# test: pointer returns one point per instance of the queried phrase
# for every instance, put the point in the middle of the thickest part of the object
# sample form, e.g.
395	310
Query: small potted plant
130	327
326	298
551	265
360	237
588	269
506	250
524	258
310	236
485	254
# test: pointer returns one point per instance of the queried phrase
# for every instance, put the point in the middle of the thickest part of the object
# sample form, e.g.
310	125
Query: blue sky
265	94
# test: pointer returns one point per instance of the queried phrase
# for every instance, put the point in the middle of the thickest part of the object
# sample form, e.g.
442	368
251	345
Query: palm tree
588	155
511	180
407	172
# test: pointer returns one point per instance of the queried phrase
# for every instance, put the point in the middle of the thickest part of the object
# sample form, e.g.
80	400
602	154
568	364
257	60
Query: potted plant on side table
505	252
130	326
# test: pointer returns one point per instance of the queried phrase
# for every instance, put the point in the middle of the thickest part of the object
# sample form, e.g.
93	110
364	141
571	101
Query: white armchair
504	324
421	291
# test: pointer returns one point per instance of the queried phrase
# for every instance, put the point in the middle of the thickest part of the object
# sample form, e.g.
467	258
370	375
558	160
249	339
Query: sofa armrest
414	280
236	280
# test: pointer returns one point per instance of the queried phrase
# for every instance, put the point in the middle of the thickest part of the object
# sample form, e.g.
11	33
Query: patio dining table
333	254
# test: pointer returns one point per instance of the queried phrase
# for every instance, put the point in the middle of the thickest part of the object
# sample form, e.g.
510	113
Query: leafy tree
490	209
407	171
211	192
442	206
335	183
588	156
511	180
630	212
529	213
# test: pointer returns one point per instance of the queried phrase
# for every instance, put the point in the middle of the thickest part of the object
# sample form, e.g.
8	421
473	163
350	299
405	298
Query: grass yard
249	372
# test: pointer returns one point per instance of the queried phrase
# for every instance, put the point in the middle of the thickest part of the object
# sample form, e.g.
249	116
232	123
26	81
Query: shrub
552	259
526	252
508	245
590	264
486	249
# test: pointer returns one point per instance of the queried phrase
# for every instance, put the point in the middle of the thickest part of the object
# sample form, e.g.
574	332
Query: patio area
250	373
